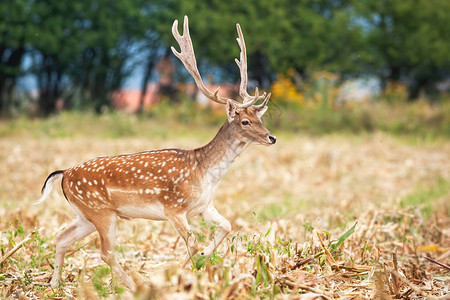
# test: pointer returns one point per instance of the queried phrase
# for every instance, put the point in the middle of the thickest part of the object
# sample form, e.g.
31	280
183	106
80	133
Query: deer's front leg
182	226
212	215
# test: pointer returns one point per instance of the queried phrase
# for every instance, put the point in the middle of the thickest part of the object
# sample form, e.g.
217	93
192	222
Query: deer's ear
261	112
231	111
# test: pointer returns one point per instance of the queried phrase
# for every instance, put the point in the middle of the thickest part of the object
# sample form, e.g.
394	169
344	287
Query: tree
305	35
15	28
110	41
213	29
83	50
84	46
410	40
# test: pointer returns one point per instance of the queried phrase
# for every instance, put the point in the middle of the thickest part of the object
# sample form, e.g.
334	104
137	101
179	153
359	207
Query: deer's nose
273	139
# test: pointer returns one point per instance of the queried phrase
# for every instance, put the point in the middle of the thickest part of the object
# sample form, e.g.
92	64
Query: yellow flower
285	90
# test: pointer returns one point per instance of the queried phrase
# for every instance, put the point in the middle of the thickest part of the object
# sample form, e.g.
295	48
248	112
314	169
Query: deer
168	185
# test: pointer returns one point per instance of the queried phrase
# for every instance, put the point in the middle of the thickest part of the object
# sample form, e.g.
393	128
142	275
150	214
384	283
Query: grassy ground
293	207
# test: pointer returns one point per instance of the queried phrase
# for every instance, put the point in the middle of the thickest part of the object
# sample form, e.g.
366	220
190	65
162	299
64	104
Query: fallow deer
170	184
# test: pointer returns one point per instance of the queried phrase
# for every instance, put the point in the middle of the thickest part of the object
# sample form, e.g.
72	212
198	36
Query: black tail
46	189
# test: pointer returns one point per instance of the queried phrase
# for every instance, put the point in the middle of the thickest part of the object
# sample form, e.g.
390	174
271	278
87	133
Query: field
331	215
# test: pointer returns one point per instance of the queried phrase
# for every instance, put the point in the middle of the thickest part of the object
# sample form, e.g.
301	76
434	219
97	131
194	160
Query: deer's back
142	185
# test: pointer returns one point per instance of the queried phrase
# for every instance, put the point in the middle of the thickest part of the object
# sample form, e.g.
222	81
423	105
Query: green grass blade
336	243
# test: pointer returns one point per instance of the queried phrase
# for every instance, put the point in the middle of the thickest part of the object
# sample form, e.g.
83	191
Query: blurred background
360	107
315	56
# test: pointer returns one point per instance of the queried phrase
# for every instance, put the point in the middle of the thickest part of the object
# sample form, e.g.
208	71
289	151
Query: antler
187	57
242	64
264	103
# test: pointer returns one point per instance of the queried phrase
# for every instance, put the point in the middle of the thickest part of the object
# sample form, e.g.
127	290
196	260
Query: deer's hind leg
106	227
75	232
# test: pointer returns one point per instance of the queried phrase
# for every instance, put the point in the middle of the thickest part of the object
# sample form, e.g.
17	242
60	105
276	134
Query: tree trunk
145	80
49	81
8	78
260	70
395	73
420	83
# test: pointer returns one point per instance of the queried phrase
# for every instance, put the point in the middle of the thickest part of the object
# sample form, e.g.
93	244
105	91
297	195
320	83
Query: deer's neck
216	157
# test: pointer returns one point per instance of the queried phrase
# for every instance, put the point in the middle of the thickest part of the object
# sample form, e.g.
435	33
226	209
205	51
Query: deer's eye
245	122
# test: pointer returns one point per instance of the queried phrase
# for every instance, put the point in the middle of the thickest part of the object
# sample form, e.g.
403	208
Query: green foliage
87	44
282	208
403	39
201	260
427	198
187	112
419	120
98	280
41	251
338	242
15	30
415	121
215	258
262	272
279	34
79	49
262	251
200	263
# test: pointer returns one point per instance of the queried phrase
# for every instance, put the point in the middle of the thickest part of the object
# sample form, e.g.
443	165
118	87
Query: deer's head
243	118
246	123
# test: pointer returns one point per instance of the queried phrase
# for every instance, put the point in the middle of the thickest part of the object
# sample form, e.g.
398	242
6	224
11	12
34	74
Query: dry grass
288	204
